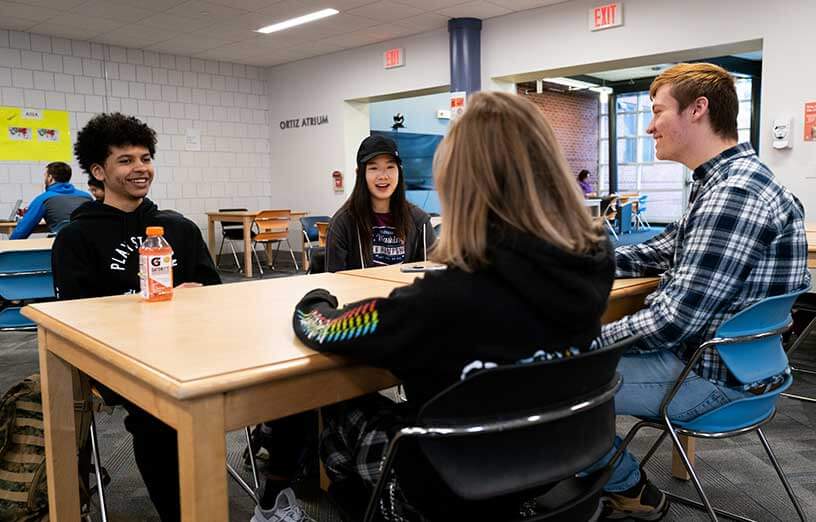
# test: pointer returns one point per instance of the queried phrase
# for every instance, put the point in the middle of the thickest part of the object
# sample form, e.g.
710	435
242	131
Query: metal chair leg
258	259
781	474
611	228
275	255
252	457
103	505
235	256
297	269
218	257
242	483
690	469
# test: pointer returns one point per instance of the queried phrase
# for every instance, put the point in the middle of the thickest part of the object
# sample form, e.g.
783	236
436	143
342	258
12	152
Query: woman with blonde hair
527	270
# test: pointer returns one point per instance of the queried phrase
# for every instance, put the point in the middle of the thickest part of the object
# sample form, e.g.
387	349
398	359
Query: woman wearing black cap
377	225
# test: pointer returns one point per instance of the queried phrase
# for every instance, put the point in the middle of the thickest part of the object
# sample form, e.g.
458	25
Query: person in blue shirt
55	204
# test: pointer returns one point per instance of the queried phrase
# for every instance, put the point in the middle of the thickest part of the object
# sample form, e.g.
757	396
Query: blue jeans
647	378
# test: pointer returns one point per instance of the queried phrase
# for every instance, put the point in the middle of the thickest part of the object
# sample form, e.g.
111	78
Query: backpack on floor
23	482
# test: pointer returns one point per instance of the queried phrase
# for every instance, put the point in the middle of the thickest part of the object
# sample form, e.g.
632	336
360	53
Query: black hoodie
531	296
97	253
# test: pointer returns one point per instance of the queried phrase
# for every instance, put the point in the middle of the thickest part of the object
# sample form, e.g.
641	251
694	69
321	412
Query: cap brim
369	157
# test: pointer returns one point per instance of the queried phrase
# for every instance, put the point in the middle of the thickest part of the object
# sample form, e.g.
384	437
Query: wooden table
214	359
7	227
245	218
594	205
810	230
18	245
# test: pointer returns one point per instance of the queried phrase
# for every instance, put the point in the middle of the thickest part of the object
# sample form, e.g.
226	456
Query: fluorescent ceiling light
569	82
292	22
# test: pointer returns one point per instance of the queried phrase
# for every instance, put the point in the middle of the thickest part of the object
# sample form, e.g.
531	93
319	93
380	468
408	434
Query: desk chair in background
25	275
273	227
486	452
805	305
610	214
311	235
230	233
750	345
640	213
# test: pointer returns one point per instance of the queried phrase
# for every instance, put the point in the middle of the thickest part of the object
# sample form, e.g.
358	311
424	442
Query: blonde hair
501	163
689	81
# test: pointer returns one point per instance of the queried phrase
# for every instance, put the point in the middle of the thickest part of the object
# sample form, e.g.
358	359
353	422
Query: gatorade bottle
156	266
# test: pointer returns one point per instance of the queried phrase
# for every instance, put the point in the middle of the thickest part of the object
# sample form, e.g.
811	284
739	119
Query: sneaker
286	509
643	501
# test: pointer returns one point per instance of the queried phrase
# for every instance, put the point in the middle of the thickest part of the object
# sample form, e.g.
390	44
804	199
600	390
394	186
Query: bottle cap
155	231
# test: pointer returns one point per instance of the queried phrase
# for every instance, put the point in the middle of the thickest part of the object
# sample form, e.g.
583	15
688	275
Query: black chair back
556	418
234	231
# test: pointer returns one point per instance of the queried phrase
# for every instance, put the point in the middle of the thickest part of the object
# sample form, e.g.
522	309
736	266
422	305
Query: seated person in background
96	255
377	225
96	188
583	182
517	281
740	240
55	204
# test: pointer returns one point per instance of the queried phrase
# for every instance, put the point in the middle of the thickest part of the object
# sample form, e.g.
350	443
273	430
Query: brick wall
574	118
227	102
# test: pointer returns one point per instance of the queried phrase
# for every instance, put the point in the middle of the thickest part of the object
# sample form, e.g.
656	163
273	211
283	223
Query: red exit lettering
393	58
605	16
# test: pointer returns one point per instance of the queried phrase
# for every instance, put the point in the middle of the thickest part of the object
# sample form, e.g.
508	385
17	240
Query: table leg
211	238
268	250
247	247
202	460
60	435
678	469
325	482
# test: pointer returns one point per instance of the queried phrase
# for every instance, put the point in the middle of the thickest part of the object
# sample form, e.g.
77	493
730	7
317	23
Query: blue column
465	54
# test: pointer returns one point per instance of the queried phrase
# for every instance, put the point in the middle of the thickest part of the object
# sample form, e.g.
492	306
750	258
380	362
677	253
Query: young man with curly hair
96	255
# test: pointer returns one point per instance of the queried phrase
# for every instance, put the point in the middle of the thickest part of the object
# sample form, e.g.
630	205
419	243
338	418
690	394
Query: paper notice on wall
34	135
192	140
458	101
810	121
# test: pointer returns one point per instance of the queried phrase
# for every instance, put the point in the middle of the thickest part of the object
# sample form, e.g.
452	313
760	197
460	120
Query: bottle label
156	272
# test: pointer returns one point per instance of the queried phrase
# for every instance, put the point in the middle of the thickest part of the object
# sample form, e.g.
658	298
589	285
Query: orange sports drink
156	266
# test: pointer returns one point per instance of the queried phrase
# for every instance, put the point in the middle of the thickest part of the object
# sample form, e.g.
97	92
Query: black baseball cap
374	146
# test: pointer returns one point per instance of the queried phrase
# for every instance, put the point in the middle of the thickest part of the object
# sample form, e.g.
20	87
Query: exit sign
394	57
606	16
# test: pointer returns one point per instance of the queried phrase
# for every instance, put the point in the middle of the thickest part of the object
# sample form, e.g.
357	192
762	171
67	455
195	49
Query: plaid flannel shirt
741	239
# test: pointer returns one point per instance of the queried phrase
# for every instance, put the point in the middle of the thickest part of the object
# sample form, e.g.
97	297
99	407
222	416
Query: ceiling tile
433	5
386	11
89	23
70	31
116	12
286	9
58	5
522	5
155	6
478	9
187	44
248	5
25	12
424	22
17	24
203	10
176	23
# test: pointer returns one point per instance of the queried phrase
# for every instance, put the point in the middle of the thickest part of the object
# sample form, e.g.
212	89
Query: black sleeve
392	332
337	247
204	271
72	267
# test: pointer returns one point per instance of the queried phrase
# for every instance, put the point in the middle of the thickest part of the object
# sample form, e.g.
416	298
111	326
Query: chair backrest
238	226
322	232
273	225
26	275
308	225
752	360
625	216
520	426
14	209
642	203
611	210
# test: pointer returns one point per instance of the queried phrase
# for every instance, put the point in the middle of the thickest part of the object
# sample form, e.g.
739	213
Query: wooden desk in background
810	230
245	218
7	227
594	205
181	363
19	245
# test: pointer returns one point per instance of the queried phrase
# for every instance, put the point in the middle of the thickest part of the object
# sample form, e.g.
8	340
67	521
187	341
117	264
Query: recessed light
292	22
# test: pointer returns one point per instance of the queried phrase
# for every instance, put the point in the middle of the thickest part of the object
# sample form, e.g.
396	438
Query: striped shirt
741	239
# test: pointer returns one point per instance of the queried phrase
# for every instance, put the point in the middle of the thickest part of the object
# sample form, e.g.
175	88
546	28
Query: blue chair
25	275
750	345
308	226
640	219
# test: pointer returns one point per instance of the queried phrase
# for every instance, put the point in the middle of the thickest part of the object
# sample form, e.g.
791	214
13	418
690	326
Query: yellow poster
34	135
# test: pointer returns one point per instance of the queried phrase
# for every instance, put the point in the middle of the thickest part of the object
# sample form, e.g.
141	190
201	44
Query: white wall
303	158
550	38
228	102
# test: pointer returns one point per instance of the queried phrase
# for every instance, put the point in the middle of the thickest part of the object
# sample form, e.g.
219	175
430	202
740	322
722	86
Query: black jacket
97	253
532	296
343	243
